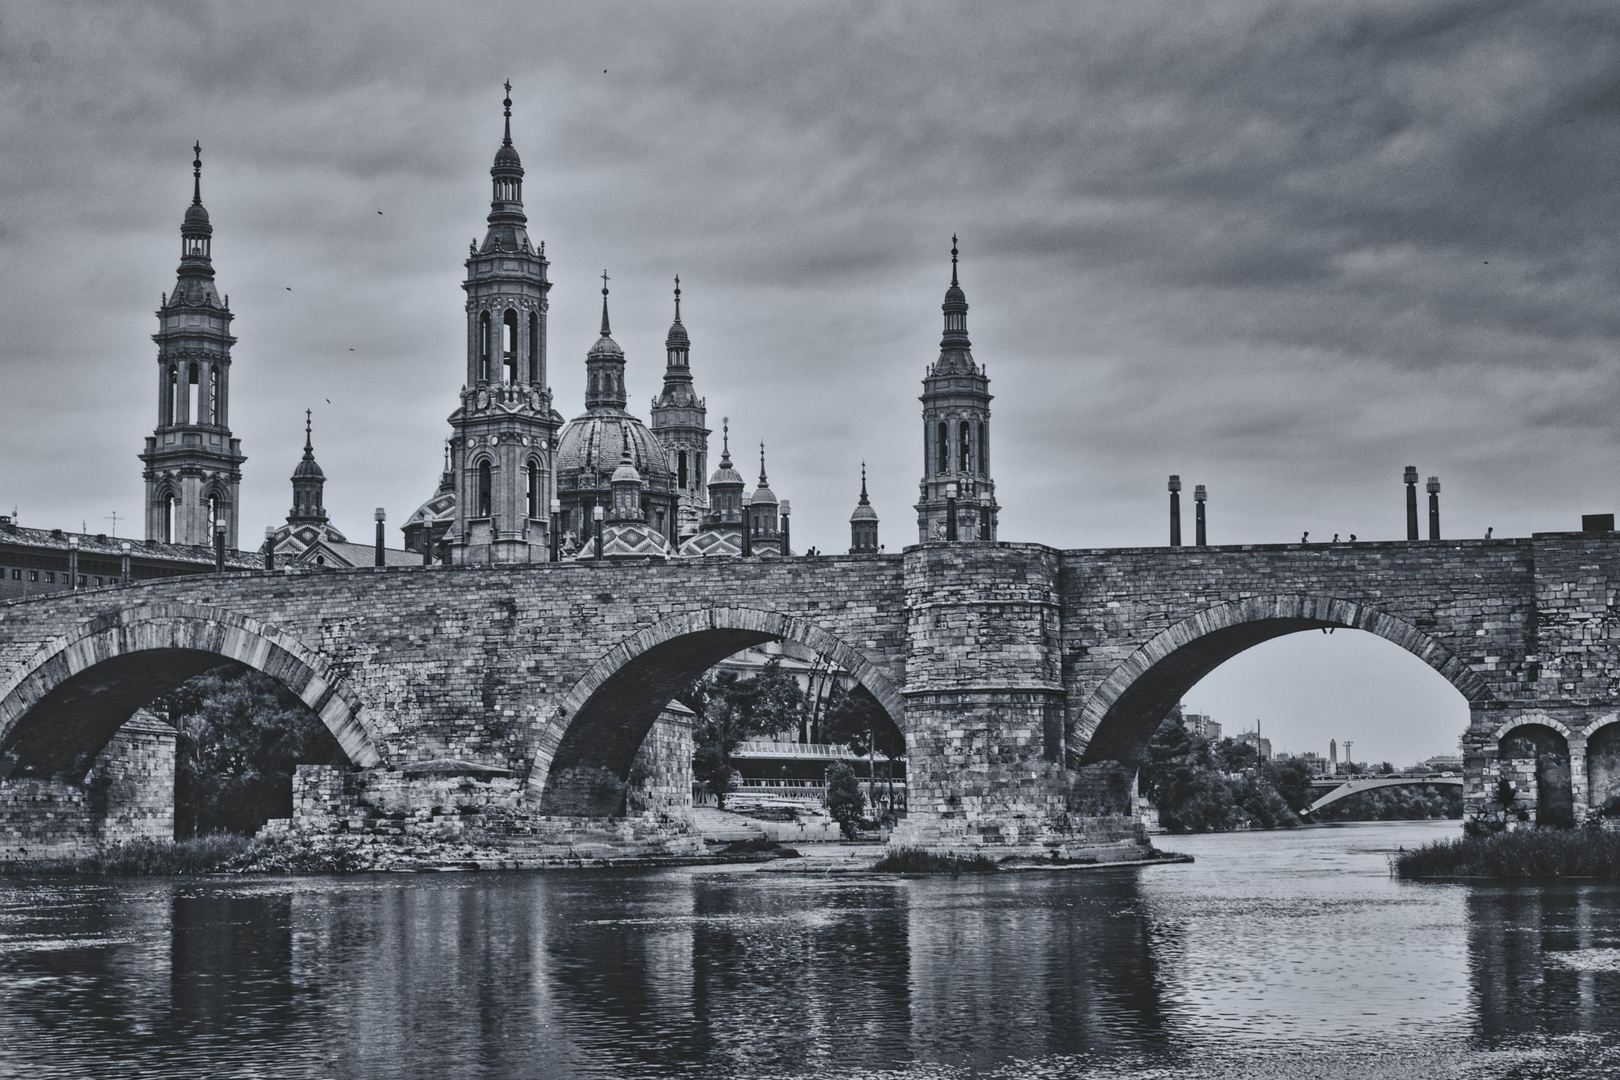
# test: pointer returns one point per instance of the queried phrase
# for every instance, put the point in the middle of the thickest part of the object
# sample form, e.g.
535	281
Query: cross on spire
196	174
605	329
309	447
677	298
953	259
507	104
762	461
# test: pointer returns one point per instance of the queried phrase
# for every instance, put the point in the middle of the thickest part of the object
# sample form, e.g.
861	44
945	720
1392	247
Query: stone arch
1122	714
602	720
1539	720
63	703
1544	761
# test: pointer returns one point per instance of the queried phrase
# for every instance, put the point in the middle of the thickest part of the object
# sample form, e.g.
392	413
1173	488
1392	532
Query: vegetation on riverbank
1523	853
216	853
909	860
1202	786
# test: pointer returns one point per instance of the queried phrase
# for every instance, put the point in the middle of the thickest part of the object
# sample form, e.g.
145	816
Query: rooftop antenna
113	517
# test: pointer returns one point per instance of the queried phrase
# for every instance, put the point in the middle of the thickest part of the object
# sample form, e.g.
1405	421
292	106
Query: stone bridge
1009	668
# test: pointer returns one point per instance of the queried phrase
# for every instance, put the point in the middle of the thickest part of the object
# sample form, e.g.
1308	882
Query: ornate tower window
965	448
192	415
213	396
680	467
168	519
509	346
486	488
532	485
483	347
534	347
942	456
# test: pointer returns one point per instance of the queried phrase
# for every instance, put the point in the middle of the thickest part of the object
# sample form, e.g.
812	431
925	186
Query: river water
1289	954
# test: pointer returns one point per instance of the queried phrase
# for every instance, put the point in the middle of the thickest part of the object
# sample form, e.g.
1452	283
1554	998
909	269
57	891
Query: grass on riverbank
909	860
1519	853
215	853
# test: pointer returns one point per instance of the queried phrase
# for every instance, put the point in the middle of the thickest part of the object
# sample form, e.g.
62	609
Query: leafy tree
732	709
1292	779
844	801
241	735
856	719
1236	756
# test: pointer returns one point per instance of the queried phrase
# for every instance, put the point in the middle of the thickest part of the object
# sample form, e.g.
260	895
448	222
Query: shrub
1521	853
909	860
844	799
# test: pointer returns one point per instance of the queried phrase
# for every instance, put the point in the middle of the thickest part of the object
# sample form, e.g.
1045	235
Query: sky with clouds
1281	249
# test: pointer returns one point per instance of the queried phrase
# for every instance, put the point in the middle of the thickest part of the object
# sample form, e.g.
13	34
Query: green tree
844	801
856	719
1292	779
732	709
241	735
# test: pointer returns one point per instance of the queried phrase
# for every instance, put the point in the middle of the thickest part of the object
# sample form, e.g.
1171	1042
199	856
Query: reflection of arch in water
604	718
1123	713
68	699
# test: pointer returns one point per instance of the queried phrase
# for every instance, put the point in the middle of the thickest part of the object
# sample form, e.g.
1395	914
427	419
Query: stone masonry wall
129	795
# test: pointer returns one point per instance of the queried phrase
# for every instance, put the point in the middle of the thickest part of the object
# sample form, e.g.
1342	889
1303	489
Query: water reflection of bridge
1342	789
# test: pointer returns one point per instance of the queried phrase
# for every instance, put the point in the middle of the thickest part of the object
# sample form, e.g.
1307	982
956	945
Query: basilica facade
520	483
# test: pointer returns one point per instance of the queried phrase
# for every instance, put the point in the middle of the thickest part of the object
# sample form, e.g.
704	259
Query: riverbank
1526	854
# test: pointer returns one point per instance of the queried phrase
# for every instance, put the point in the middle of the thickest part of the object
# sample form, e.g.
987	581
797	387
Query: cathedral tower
956	433
501	450
863	523
193	467
308	484
678	417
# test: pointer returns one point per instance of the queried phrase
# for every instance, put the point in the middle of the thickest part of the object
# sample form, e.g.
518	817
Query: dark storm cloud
1291	244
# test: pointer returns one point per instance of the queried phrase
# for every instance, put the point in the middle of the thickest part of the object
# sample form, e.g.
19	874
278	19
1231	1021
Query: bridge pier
128	795
985	740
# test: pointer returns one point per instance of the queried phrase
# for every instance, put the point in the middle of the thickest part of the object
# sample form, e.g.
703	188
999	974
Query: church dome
605	349
763	496
864	512
507	158
725	474
308	469
196	214
626	474
594	445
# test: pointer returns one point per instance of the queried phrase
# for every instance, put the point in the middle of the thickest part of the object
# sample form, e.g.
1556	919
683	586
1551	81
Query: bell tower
504	431
678	419
956	434
193	467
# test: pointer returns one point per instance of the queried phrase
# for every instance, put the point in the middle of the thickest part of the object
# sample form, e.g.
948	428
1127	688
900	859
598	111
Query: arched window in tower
168	519
531	482
534	347
213	396
942	454
680	460
486	489
483	347
171	406
965	448
213	516
192	416
984	450
509	346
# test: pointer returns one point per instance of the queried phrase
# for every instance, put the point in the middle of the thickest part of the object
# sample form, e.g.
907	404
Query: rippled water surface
1274	955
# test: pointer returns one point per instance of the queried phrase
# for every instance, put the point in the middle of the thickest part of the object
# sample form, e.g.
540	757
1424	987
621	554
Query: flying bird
379	211
289	288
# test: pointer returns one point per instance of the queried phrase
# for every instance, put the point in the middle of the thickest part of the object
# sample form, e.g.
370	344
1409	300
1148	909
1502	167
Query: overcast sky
1282	249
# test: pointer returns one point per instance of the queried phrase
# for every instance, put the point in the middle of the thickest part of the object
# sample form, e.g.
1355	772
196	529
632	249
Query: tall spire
309	448
507	104
604	365
725	442
864	500
762	481
606	329
955	350
196	174
677	298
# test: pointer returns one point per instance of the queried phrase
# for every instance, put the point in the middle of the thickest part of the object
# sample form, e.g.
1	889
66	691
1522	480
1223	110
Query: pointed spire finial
725	440
309	446
447	455
762	461
953	259
508	106
863	484
196	174
677	298
605	329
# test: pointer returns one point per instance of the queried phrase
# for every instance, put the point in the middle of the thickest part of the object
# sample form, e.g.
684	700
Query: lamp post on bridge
1200	495
1434	507
950	511
1175	510
1411	502
381	515
597	514
269	548
219	547
556	540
